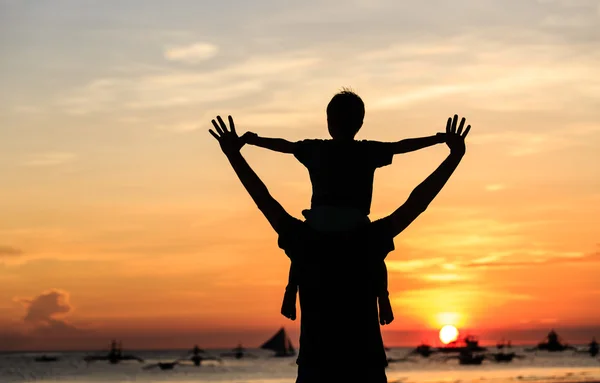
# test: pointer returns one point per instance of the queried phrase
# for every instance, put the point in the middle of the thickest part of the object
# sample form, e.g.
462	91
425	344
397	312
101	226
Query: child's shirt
326	218
342	172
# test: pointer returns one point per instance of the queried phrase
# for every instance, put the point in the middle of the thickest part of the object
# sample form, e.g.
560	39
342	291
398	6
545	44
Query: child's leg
386	316
288	307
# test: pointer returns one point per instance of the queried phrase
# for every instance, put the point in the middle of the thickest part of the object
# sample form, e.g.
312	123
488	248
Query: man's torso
338	298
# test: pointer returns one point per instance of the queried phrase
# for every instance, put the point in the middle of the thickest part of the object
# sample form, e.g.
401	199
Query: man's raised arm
231	145
422	195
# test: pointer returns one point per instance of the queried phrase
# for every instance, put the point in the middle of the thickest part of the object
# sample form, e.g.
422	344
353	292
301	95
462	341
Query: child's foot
288	307
386	316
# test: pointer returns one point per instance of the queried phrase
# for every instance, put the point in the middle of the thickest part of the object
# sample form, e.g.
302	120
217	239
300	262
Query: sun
448	334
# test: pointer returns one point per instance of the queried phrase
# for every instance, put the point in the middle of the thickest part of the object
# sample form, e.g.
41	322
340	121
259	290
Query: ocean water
537	367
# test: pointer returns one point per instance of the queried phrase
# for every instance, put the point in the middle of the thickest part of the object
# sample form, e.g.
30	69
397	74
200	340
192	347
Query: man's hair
348	109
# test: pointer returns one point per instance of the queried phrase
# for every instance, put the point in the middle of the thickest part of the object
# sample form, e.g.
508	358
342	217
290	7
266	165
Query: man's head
345	114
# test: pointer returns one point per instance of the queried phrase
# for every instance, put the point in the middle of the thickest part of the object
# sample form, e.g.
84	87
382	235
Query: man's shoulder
373	240
292	234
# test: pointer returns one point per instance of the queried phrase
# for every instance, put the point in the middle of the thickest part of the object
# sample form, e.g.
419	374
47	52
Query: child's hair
345	113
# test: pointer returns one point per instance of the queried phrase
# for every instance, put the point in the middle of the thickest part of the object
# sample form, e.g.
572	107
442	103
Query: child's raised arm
412	144
275	144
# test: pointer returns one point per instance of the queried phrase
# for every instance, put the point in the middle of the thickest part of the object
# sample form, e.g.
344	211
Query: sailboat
281	344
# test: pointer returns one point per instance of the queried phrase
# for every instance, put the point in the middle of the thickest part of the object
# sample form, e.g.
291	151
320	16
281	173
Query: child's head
345	114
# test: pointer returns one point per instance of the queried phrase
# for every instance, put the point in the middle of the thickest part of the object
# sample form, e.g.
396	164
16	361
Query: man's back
336	273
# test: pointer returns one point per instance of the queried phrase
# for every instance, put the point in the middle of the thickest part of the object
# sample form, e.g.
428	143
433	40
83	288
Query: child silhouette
341	171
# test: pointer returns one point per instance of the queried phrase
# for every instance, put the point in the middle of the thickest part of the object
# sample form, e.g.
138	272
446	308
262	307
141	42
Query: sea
70	367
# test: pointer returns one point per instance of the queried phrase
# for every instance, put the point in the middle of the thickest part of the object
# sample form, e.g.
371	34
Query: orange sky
121	218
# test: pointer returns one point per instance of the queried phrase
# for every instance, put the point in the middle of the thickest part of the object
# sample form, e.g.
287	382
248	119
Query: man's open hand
228	139
455	138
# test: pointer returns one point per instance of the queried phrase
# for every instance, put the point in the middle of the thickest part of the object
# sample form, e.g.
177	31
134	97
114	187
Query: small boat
470	359
46	359
167	366
162	365
593	348
198	355
238	352
198	359
197	350
503	344
114	356
281	344
552	343
471	344
502	357
423	349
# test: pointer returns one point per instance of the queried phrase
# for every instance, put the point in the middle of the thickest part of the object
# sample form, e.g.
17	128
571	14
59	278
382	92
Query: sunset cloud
44	324
527	259
9	251
176	88
192	54
445	277
495	187
46	308
49	159
181	127
412	265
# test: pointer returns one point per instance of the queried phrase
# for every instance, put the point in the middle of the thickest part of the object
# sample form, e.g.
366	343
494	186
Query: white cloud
522	143
569	3
49	159
412	264
561	21
184	88
413	50
487	72
495	187
28	109
482	73
192	54
181	127
445	277
422	94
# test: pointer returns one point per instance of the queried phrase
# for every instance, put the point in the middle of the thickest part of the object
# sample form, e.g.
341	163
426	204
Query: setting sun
448	334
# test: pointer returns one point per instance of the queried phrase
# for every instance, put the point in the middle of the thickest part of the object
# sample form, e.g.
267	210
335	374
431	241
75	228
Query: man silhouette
327	261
